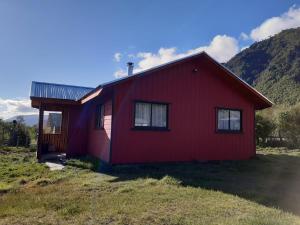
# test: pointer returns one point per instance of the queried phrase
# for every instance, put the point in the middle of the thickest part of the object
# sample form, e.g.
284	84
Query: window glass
229	120
100	116
235	120
223	119
159	115
52	122
142	114
152	115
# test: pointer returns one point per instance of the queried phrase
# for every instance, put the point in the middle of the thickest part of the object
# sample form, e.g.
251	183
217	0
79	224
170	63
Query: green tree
264	128
33	133
289	126
2	131
19	133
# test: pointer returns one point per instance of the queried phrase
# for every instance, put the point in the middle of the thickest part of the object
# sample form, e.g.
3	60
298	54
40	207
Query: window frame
99	118
61	121
229	131
153	128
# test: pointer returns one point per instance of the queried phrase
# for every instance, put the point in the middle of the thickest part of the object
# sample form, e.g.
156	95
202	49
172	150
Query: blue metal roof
58	91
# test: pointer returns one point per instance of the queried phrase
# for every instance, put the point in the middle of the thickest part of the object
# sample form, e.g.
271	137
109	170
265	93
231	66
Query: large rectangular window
52	122
99	117
229	120
151	115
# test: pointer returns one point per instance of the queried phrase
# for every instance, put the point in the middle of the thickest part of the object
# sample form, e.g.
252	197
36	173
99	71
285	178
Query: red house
189	109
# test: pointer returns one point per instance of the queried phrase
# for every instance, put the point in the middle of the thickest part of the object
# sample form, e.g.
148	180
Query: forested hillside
272	66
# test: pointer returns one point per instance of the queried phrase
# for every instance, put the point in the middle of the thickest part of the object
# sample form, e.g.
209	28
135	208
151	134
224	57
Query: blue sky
89	42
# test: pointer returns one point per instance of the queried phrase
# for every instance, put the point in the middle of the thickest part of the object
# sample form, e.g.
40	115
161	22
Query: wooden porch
52	142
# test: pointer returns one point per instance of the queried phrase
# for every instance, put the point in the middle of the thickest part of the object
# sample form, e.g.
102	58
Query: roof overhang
37	102
90	95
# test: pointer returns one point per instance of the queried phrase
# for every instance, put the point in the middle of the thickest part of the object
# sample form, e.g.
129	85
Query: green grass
264	190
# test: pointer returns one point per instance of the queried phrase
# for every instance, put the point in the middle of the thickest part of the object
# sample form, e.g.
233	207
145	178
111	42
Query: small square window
229	120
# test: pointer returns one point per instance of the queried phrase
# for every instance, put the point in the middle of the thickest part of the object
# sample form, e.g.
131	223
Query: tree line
279	126
16	133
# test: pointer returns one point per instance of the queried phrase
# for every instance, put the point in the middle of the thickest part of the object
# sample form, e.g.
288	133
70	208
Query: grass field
265	190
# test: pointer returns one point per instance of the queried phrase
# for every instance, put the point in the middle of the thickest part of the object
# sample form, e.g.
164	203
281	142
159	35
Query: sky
87	43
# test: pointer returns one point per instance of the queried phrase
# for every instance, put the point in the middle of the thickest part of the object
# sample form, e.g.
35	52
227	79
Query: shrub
264	128
289	126
170	181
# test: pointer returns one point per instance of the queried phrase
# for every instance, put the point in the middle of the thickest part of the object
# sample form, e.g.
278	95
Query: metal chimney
130	68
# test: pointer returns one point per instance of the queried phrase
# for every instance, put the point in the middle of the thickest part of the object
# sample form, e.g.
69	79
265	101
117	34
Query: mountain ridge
29	120
272	66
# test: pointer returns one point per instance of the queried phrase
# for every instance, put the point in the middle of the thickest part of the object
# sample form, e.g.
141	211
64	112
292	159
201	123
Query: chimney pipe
130	68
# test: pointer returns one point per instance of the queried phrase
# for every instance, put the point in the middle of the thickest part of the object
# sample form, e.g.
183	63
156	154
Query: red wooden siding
78	131
99	140
193	97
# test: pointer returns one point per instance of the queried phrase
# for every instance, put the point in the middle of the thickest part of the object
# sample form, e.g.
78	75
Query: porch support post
40	134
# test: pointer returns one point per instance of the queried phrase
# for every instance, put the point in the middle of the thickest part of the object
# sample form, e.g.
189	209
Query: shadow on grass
272	180
85	162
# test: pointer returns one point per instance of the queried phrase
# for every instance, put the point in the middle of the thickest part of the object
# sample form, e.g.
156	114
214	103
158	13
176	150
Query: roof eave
36	102
89	96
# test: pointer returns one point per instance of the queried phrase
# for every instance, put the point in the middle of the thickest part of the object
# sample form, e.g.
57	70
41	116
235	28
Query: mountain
29	120
272	66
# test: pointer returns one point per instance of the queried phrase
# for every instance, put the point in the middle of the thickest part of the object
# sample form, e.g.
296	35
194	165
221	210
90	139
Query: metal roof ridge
65	85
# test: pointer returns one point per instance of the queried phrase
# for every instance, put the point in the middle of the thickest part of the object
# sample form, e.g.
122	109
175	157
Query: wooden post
40	133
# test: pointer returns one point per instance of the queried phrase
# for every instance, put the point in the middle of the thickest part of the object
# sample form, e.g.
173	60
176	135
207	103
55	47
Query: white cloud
117	56
120	73
222	48
14	107
244	36
272	26
131	56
